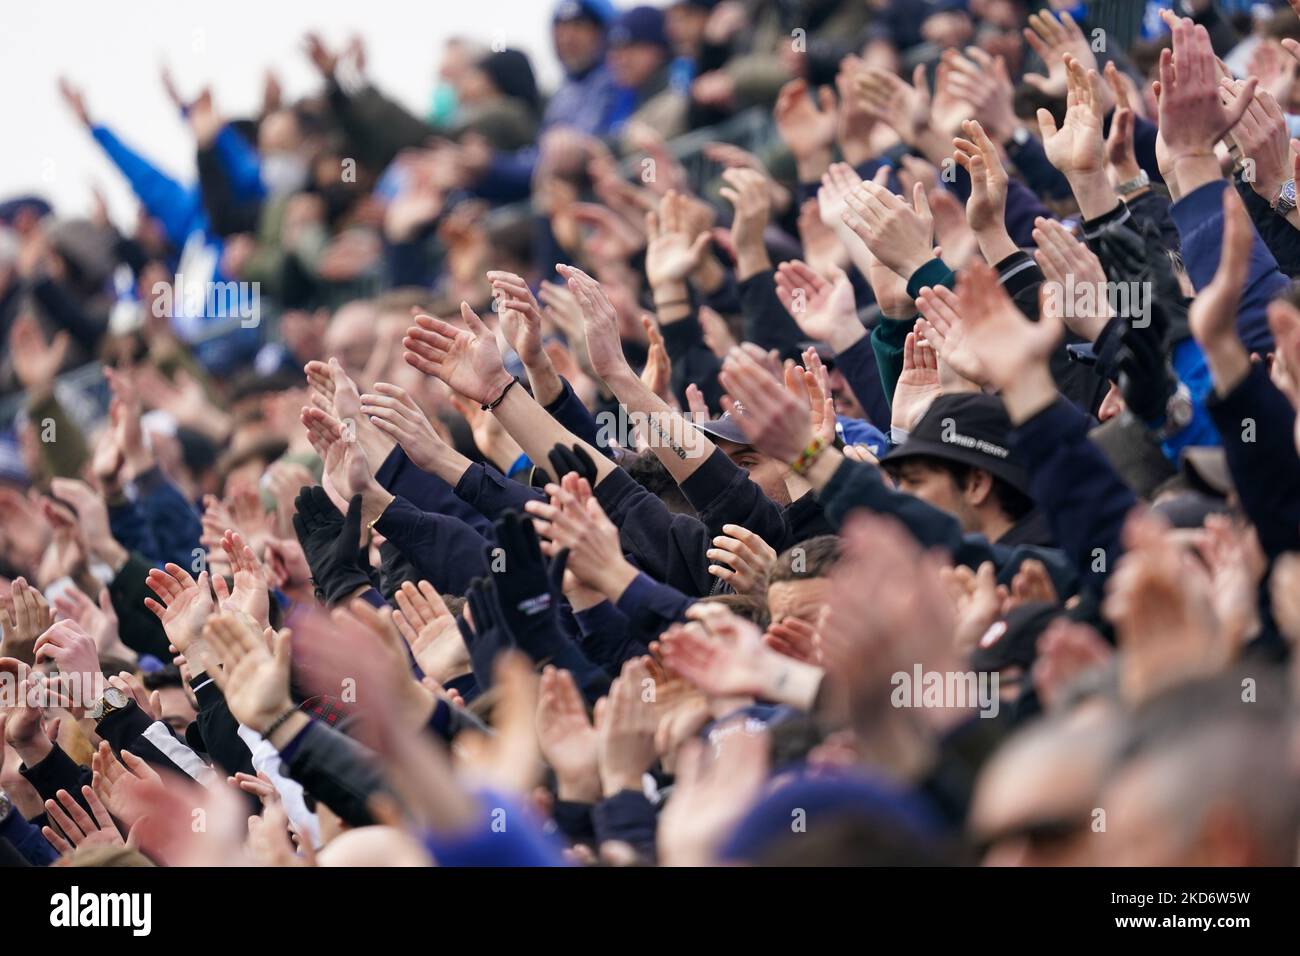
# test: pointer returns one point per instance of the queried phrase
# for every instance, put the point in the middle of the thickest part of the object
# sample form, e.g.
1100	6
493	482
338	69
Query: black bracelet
502	397
660	306
278	723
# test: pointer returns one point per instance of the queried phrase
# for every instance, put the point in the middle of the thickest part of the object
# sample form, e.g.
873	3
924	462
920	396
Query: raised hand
466	360
1054	40
987	207
806	127
672	253
186	604
250	594
574	521
1192	116
899	234
255	672
750	196
431	632
521	316
1213	314
1067	262
26	618
742	559
918	383
774	420
625	729
1005	343
600	324
76	827
1077	147
567	739
36	362
942	329
392	410
824	309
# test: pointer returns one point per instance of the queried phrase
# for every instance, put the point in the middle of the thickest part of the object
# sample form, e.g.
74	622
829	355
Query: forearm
537	432
1093	193
680	446
544	380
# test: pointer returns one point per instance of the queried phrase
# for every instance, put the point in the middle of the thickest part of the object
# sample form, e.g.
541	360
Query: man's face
351	339
803	598
685	24
632	64
1140	830
577	44
177	711
768	473
935	486
846	403
1035	811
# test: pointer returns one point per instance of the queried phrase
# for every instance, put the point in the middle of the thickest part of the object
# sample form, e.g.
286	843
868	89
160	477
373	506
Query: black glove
1146	379
330	542
488	637
564	460
529	598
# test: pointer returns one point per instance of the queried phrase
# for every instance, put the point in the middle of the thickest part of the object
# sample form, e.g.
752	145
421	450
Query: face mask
283	173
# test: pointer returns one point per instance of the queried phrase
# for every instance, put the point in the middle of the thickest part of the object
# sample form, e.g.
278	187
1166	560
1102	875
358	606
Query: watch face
1288	192
114	698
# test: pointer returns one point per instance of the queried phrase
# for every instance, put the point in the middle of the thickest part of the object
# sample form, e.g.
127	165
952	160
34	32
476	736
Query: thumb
699	245
921	202
1037	81
1046	123
921	82
826	99
472	320
281	645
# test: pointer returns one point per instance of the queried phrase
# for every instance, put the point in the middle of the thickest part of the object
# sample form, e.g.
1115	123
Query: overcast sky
113	50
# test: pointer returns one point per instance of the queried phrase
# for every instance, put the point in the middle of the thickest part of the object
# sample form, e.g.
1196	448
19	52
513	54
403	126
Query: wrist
543	378
995	242
811	166
1194	170
374	502
579	788
1028	393
616	782
751	259
111	553
616	580
288	728
1229	363
34	750
496	386
845	335
1093	192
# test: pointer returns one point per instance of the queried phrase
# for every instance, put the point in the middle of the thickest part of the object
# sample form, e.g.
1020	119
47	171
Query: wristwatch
1178	413
110	702
6	806
1141	181
1284	201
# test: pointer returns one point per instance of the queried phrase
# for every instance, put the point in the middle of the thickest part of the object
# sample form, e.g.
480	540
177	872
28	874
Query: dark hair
649	472
810	558
169	676
741	605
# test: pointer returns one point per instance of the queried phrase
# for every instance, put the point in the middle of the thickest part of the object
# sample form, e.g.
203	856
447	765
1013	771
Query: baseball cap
971	429
639	25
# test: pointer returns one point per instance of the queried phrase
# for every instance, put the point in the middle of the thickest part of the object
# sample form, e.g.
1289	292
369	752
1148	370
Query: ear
978	489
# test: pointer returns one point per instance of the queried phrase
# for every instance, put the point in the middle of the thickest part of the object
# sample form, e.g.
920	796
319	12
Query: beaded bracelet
808	456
